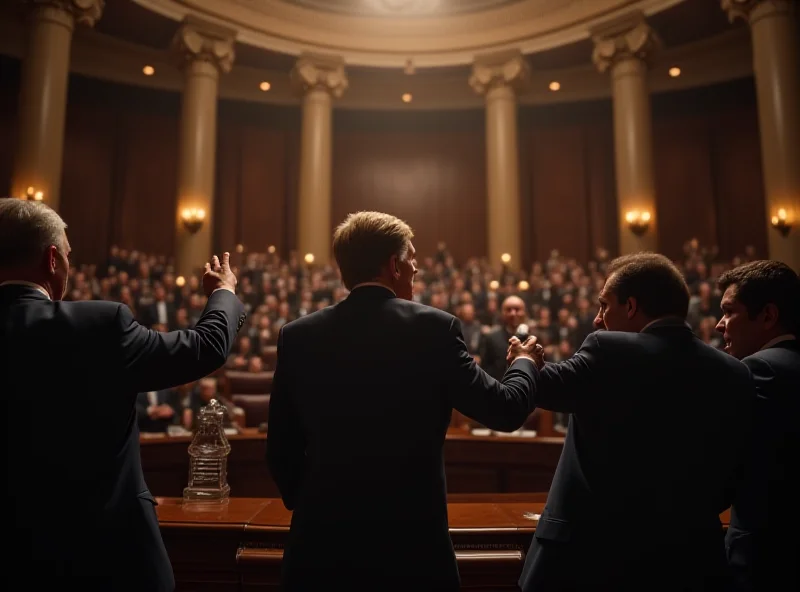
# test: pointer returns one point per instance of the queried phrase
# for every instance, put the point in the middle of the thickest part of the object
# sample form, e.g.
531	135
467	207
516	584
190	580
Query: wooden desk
473	464
239	547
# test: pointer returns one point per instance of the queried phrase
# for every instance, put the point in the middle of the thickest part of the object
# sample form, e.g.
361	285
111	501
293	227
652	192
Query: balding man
494	345
82	515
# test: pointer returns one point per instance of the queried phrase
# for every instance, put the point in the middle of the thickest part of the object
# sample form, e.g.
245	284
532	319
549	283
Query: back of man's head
760	283
27	229
364	243
653	280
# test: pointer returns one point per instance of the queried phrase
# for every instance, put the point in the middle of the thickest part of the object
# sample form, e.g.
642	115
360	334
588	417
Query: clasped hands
529	349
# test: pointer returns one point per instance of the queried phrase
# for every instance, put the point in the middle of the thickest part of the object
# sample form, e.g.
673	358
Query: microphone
523	332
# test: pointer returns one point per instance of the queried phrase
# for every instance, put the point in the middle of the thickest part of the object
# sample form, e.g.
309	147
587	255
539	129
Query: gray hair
27	229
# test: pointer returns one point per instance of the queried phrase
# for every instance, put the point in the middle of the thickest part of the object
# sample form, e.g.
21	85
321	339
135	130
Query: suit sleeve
152	361
286	446
751	497
141	406
564	386
502	406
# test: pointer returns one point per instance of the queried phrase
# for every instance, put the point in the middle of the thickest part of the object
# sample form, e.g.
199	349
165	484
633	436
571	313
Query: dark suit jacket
762	545
70	371
493	350
361	402
651	458
169	397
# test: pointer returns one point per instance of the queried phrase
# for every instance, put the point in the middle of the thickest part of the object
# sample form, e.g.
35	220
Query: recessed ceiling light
265	86
148	70
407	98
554	86
674	72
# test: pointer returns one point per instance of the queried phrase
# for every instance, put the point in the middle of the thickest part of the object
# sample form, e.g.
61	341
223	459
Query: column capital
319	72
198	40
84	12
503	69
744	9
629	37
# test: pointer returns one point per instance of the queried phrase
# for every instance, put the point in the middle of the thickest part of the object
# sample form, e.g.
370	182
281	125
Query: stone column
206	50
500	77
318	79
43	94
776	63
624	47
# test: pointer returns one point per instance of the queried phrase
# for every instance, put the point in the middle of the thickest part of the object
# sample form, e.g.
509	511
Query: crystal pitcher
208	462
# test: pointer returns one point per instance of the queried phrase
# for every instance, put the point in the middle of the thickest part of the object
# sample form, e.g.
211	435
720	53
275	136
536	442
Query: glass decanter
208	458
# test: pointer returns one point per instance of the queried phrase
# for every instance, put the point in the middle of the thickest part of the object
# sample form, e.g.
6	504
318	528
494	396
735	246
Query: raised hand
219	275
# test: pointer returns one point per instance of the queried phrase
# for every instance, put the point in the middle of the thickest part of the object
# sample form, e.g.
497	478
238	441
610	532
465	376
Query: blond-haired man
361	401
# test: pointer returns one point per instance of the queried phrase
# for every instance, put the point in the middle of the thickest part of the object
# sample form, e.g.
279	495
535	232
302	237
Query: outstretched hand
219	275
529	349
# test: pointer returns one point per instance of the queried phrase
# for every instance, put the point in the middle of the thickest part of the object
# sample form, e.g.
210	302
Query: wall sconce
32	194
309	258
193	219
493	285
505	258
638	222
781	222
523	286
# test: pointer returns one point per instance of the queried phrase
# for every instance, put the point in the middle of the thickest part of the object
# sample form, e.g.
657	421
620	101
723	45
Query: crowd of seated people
557	298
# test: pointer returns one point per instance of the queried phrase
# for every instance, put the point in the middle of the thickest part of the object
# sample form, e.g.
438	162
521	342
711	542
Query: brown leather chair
269	354
247	383
256	409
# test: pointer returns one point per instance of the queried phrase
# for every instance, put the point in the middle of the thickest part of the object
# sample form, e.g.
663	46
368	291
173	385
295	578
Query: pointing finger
226	260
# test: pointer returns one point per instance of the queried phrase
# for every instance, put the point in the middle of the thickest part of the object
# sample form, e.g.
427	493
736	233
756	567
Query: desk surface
253	514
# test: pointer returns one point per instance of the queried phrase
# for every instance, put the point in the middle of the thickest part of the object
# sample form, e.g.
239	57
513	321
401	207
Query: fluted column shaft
318	79
500	77
623	48
43	95
207	51
777	74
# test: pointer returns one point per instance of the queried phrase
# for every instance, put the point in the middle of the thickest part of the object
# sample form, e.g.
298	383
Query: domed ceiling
406	8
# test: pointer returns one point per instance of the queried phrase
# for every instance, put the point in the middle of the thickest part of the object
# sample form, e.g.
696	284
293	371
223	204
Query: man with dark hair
361	401
637	494
760	308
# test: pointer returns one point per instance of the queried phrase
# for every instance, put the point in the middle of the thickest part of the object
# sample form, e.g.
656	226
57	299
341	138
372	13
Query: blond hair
365	241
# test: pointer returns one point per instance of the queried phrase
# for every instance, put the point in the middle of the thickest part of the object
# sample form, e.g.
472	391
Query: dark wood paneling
425	168
558	179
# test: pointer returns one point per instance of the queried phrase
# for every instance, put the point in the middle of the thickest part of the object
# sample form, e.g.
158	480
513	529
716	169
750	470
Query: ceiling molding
528	26
717	59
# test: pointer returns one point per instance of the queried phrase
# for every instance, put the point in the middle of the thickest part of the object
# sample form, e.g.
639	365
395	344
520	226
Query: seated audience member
255	365
200	396
629	469
759	325
362	397
156	410
80	511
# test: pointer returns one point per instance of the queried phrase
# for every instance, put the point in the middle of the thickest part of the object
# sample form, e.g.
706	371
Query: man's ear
394	266
51	259
632	307
770	315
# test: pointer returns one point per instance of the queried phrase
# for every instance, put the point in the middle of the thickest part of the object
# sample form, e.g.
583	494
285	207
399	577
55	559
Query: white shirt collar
374	284
28	284
777	340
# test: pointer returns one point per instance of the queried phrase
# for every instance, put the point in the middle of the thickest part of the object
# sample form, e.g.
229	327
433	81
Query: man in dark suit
81	513
494	345
760	321
658	424
362	397
157	410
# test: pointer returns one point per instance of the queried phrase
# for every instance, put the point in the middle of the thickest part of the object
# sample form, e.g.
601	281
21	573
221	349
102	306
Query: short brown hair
655	282
759	283
365	241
